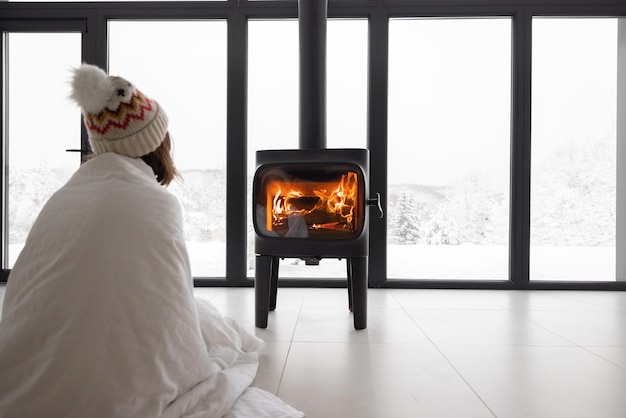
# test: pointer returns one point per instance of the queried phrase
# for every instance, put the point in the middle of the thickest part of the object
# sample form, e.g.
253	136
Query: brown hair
162	163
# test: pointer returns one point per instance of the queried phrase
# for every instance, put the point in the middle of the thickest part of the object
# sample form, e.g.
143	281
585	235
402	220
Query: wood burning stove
311	203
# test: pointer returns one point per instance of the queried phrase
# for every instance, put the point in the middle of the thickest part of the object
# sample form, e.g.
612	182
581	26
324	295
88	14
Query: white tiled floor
441	353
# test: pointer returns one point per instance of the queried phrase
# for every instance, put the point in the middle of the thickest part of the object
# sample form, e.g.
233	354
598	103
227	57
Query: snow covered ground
486	262
438	262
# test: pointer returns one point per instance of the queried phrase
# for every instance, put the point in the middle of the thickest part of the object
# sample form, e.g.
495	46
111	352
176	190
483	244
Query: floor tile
337	325
585	328
541	382
244	297
550	300
281	323
443	299
238	303
338	298
615	355
483	327
271	364
615	301
337	380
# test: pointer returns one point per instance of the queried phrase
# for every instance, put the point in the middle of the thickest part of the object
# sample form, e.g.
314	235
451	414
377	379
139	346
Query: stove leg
262	289
274	283
359	291
349	272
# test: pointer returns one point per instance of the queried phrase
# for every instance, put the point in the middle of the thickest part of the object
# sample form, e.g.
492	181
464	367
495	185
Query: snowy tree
467	212
440	228
404	223
574	196
480	214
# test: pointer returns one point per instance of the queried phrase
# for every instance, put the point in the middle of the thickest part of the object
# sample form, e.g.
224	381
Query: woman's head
162	162
121	119
118	117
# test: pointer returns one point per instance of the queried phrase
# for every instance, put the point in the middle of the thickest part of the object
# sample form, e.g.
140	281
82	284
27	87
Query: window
463	115
573	189
184	69
42	123
449	148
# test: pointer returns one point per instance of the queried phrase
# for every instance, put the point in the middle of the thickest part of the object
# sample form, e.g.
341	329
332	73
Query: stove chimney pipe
312	25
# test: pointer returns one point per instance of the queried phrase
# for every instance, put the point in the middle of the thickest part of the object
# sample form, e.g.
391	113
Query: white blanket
99	317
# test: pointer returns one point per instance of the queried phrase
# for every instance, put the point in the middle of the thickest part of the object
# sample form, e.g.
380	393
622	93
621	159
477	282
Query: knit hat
118	117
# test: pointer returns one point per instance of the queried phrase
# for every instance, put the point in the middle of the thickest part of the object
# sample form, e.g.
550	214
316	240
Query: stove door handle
376	202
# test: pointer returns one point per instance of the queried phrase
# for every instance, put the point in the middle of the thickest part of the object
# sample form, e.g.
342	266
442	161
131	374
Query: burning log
323	205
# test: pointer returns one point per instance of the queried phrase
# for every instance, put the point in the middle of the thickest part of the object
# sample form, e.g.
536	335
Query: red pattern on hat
122	116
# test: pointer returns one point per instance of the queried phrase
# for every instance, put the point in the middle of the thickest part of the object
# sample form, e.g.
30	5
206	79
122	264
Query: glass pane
273	76
184	69
40	128
449	148
315	200
573	188
346	78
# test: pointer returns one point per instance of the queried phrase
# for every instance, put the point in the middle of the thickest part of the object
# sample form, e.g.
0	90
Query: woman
99	317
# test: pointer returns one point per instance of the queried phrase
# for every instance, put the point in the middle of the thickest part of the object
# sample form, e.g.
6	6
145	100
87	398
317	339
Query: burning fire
323	205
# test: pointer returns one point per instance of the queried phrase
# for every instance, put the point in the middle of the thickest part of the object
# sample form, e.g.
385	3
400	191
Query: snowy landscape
442	233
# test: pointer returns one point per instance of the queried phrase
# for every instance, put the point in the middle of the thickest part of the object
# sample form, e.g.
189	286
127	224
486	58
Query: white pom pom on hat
91	88
118	117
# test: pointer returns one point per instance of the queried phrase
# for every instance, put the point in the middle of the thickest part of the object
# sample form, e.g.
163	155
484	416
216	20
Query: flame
342	200
282	206
336	199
